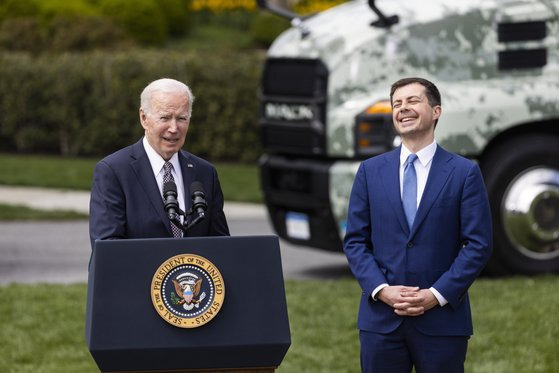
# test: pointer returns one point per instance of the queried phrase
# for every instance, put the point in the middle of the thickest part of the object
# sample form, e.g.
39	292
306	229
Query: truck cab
324	108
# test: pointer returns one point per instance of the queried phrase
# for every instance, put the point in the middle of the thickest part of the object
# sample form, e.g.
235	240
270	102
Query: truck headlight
374	132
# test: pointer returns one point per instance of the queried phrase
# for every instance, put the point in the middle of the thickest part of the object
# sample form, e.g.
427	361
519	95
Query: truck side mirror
382	21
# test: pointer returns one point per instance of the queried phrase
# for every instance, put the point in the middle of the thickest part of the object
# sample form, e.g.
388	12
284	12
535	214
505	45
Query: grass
42	329
322	317
515	322
46	171
516	325
16	212
239	181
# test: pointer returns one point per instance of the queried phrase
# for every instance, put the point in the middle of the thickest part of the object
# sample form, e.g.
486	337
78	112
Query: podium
243	328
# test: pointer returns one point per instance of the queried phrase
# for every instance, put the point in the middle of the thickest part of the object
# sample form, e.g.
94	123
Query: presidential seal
187	291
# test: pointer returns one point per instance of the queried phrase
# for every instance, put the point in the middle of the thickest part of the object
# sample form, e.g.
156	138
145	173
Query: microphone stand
188	223
200	215
194	215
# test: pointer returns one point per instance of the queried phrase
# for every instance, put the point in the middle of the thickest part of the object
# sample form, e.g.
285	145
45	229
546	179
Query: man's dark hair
431	91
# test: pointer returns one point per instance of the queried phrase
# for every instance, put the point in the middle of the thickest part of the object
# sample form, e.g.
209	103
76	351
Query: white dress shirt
157	163
422	166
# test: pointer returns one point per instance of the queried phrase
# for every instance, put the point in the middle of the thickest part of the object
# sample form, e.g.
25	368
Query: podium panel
124	332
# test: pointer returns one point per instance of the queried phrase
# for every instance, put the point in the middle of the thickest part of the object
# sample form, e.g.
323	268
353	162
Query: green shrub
225	115
63	33
23	96
49	9
233	18
143	19
82	33
17	8
266	27
39	26
177	15
149	22
87	104
22	34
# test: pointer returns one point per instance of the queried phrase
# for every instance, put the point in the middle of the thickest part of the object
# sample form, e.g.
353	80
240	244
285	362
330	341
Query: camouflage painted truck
324	108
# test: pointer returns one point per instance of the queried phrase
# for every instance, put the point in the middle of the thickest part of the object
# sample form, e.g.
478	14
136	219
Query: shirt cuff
377	289
442	300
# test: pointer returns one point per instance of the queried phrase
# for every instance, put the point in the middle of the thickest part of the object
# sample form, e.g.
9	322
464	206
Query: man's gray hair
165	85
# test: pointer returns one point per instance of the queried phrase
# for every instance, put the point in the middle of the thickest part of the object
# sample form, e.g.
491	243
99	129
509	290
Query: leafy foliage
218	6
82	33
266	27
144	19
174	298
87	104
44	25
178	14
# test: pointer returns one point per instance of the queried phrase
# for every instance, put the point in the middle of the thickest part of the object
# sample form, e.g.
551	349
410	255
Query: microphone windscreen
169	186
196	186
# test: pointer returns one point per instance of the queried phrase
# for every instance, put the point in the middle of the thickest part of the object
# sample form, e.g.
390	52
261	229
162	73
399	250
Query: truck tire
522	178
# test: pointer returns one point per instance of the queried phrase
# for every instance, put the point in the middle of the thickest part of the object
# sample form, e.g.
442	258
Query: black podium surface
125	333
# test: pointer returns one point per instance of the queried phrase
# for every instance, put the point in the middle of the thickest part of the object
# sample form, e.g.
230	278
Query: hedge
144	19
299	6
223	5
148	22
266	27
87	104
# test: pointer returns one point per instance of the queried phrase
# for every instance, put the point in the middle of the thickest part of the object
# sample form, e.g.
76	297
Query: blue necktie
409	194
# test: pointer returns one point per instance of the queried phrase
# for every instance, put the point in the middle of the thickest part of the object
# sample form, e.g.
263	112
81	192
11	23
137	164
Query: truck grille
293	106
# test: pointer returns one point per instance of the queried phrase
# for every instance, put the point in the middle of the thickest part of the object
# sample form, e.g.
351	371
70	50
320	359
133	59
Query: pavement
61	199
58	251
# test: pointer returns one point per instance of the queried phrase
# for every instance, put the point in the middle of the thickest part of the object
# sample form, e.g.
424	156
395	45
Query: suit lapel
441	168
144	173
390	175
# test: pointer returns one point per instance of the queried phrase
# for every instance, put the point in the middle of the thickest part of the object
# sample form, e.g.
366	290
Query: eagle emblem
187	291
187	288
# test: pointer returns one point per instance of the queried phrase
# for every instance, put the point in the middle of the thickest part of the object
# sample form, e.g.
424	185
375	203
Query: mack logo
288	111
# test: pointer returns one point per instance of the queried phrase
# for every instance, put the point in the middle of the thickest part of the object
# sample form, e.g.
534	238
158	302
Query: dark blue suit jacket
446	248
126	201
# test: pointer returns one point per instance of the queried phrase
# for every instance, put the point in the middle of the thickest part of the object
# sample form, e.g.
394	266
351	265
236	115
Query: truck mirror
383	21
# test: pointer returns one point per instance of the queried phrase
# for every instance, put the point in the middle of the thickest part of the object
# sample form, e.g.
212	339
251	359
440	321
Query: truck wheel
522	178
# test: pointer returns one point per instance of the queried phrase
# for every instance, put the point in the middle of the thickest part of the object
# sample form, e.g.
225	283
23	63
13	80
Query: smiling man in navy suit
127	192
418	234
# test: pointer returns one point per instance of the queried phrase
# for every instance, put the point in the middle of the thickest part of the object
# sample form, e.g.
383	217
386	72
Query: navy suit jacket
446	248
126	201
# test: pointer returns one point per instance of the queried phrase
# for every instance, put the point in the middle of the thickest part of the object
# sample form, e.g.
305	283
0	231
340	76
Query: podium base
224	370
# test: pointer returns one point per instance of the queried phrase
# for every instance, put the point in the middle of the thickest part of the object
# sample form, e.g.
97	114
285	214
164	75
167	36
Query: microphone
170	198
198	198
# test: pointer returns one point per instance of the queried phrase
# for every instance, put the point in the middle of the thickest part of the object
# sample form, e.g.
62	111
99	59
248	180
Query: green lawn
16	212
46	171
239	181
516	327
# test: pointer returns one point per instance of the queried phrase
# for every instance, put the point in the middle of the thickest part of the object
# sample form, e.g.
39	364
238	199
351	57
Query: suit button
410	245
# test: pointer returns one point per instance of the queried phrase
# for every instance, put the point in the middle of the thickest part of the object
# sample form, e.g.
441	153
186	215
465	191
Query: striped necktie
168	176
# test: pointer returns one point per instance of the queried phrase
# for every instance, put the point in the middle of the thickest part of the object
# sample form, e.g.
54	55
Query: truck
324	107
